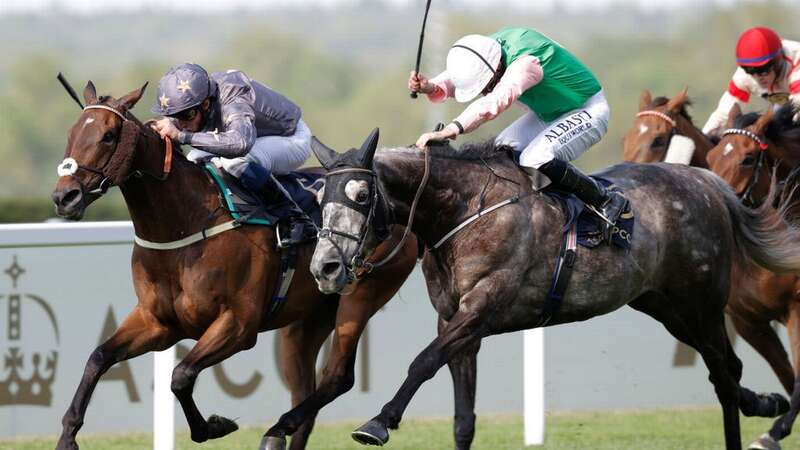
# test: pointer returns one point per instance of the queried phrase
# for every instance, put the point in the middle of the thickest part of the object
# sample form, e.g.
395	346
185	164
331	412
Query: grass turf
667	429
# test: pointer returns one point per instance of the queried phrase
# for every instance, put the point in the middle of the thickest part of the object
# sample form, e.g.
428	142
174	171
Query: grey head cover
181	88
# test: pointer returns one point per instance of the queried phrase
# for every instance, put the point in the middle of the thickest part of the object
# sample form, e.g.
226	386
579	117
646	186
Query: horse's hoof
272	443
219	426
782	403
67	446
765	442
371	433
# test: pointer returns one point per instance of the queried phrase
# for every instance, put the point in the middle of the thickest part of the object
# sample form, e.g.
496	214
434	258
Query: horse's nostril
331	268
70	197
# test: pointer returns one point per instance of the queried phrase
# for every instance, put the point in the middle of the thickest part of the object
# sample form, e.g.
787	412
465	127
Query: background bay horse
655	125
760	296
493	276
217	291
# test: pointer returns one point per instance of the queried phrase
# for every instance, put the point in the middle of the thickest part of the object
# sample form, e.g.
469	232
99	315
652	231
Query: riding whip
69	89
421	38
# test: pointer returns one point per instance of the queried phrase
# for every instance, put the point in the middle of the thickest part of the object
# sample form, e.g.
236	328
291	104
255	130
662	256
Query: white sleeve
719	117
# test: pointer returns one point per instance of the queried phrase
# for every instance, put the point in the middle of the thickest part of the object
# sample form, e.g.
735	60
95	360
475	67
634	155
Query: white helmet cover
471	64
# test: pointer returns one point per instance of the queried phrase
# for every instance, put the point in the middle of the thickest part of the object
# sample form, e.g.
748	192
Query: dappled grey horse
492	276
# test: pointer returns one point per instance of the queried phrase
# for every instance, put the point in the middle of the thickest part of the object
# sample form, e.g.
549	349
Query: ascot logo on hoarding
27	369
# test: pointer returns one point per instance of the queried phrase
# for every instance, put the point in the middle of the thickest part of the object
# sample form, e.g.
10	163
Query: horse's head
99	153
740	156
653	127
354	214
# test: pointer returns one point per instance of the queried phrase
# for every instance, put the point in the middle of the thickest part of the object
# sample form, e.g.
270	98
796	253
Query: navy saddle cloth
588	225
243	205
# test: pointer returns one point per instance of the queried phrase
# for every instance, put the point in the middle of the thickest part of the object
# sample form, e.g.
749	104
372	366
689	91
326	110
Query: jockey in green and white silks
566	109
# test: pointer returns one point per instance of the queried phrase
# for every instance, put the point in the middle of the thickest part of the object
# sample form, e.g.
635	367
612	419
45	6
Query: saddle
247	208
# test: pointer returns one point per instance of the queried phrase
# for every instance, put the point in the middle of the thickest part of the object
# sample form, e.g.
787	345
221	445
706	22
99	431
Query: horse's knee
339	381
183	379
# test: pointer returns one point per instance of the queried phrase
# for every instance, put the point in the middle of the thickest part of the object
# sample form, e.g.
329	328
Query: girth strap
197	237
564	265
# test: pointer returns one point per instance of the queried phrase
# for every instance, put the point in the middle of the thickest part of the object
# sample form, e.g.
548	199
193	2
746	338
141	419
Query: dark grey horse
492	276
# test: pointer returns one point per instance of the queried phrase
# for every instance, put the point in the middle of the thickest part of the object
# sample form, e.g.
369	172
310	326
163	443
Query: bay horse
217	291
654	126
492	276
753	147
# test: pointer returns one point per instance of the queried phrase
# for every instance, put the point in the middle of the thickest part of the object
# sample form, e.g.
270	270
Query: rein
762	144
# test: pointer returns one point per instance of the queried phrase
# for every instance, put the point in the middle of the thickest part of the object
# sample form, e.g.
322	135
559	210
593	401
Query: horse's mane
469	151
745	120
661	101
783	131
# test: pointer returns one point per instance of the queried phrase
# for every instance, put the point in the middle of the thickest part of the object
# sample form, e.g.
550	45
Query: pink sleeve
521	75
444	88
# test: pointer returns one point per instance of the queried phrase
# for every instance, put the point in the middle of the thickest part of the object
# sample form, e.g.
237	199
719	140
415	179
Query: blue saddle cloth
247	207
588	225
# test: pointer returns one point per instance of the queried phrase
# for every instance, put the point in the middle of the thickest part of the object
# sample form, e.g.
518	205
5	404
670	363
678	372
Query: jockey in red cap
768	67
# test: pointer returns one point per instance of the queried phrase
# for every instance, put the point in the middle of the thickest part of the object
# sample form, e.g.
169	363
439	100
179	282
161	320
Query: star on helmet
183	86
164	101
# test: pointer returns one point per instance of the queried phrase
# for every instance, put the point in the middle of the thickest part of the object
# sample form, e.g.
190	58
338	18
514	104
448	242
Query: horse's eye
362	196
108	137
659	141
748	161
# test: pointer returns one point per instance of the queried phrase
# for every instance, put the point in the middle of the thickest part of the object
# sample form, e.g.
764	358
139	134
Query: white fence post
533	373
163	400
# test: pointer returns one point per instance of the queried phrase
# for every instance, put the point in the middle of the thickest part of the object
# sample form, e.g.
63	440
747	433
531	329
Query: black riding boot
565	176
258	180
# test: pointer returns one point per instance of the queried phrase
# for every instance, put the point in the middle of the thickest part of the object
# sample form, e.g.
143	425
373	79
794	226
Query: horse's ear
128	101
677	102
645	99
735	113
326	156
89	94
368	149
763	121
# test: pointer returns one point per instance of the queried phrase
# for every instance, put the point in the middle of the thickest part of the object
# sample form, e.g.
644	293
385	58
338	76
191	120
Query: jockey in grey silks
567	111
254	130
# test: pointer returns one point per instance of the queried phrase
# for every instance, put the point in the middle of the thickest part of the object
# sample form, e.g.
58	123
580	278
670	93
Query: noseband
762	155
358	265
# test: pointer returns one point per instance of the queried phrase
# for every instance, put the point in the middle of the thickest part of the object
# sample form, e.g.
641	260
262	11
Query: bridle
664	117
70	166
762	155
358	266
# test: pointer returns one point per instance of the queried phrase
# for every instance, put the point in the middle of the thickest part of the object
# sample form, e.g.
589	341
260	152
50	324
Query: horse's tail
764	235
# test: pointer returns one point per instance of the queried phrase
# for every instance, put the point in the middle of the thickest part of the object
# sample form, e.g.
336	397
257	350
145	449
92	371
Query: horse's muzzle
330	275
69	203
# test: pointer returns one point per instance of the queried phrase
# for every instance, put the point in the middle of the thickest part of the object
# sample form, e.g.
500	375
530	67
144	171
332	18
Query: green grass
667	429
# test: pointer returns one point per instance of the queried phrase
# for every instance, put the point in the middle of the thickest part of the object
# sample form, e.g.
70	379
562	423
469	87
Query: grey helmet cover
181	88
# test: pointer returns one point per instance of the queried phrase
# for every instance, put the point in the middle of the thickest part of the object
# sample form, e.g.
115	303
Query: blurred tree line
347	69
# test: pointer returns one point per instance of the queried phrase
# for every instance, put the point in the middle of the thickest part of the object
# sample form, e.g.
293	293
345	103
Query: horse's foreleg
226	335
300	344
783	426
338	377
139	333
464	370
464	330
762	337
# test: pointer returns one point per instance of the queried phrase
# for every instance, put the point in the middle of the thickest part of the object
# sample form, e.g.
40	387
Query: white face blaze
643	129
728	149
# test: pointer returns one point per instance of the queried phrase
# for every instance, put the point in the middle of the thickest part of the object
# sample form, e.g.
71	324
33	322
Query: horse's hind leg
783	426
762	337
139	333
226	335
300	344
464	370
